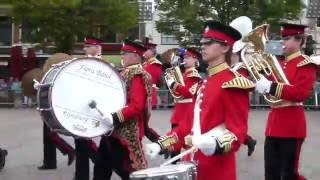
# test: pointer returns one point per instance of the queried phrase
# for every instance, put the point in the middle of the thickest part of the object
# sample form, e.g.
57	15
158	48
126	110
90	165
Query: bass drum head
76	85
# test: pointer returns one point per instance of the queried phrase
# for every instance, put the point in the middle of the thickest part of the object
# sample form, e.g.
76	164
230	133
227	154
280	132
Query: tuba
257	61
174	72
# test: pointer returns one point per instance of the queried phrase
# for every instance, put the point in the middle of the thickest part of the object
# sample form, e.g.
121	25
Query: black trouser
84	152
174	153
281	157
49	149
82	160
112	156
51	141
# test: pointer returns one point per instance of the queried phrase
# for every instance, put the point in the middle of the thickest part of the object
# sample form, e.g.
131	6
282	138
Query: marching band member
286	125
92	47
183	110
51	139
220	112
122	150
244	25
154	67
87	149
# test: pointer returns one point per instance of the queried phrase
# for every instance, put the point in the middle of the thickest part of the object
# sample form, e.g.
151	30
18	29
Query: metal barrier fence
165	99
11	97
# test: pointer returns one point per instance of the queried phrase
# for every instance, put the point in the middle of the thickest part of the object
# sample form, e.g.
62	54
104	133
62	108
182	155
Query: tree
60	22
190	14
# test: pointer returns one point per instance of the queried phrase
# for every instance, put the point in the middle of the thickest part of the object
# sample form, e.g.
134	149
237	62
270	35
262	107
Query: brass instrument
174	72
37	73
257	61
27	82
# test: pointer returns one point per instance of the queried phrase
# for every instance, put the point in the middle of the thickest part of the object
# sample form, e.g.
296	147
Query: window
5	31
170	38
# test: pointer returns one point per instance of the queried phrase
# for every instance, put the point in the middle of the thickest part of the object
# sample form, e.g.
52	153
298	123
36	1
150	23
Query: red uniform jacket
154	68
131	122
288	119
225	101
183	110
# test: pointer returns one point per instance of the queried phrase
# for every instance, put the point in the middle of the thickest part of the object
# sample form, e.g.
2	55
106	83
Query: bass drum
67	89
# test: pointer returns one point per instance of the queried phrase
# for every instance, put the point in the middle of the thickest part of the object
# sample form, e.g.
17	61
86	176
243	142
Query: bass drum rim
47	114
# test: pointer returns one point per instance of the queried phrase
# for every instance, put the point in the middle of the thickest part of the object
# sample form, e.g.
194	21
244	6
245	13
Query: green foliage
190	14
62	21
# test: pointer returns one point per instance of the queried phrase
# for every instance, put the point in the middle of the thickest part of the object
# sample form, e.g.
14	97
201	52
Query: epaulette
136	70
194	73
307	60
155	61
129	72
239	82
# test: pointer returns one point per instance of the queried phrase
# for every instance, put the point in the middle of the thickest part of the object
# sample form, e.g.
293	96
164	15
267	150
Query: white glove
107	120
207	144
152	150
263	85
36	84
169	79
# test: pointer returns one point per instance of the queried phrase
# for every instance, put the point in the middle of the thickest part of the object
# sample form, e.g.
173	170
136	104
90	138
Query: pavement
21	135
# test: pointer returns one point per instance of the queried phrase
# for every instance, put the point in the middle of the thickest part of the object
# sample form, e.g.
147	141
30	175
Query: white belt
183	100
287	104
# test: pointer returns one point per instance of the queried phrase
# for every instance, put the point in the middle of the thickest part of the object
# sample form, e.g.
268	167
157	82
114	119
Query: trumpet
257	61
175	73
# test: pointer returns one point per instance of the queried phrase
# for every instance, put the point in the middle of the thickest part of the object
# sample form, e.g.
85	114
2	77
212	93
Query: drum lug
38	85
172	177
44	109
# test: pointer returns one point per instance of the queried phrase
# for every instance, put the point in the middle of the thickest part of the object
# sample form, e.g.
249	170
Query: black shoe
3	154
251	146
45	167
70	158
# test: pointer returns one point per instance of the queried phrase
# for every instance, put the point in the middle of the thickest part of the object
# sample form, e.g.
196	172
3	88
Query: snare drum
183	171
66	90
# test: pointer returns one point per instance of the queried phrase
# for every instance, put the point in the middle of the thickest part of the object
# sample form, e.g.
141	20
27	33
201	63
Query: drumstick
93	105
179	156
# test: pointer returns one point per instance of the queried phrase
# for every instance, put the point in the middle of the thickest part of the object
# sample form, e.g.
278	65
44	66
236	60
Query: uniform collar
190	70
151	60
218	68
134	66
293	56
